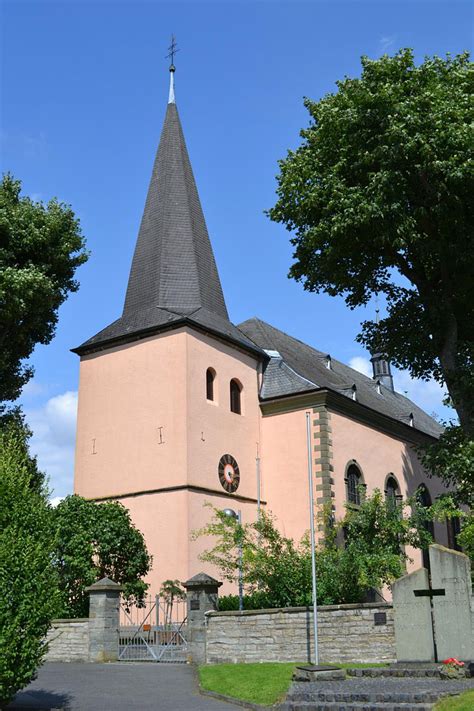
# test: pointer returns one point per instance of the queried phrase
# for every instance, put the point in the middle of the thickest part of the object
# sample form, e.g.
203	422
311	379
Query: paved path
116	687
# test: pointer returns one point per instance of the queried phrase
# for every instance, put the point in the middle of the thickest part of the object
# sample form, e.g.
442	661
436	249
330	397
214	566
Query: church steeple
173	266
173	278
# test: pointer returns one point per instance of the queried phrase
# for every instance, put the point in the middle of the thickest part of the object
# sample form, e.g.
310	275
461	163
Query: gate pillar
104	611
202	597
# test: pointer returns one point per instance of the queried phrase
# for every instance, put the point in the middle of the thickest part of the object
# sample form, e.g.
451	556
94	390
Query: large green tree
94	541
41	247
29	595
379	199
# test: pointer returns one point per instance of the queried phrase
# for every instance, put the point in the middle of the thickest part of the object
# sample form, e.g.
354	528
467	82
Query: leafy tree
277	571
446	508
13	418
466	536
28	580
452	459
94	541
272	564
379	196
41	247
376	535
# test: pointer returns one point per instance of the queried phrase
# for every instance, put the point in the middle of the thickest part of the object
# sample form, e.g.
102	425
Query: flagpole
313	547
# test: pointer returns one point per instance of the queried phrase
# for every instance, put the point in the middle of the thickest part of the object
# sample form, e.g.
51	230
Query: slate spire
173	278
173	266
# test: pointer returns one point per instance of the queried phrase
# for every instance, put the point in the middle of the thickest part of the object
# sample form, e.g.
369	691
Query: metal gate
155	632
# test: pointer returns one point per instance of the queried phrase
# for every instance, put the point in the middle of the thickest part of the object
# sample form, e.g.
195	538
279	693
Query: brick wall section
347	633
68	641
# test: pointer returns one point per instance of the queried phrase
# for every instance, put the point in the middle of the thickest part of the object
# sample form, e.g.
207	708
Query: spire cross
173	48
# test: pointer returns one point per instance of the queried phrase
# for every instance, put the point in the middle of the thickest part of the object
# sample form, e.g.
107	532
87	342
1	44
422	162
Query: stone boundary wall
346	633
68	641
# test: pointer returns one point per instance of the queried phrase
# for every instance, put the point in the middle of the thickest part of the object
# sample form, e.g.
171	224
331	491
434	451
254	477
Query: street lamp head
231	513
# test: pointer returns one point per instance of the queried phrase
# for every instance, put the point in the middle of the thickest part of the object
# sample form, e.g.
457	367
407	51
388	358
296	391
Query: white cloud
54	431
362	365
32	389
427	394
55	501
386	43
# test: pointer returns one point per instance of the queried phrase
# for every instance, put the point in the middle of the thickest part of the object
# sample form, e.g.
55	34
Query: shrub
28	580
255	601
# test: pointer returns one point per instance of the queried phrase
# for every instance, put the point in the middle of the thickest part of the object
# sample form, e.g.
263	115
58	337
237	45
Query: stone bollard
202	596
104	612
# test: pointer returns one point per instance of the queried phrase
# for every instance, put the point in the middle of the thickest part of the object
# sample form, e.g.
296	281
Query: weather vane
173	48
377	309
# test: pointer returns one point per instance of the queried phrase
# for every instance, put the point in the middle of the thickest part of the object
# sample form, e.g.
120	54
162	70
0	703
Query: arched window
235	396
353	482
392	491
424	498
210	377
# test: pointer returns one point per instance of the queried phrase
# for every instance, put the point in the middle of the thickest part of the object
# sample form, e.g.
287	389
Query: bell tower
151	431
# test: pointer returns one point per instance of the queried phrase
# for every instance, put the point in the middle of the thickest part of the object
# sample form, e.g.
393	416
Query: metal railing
155	632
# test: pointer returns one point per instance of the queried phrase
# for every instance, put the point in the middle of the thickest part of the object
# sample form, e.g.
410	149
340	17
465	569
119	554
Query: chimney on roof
381	371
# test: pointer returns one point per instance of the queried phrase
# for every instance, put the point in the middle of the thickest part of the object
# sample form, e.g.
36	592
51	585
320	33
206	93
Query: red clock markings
229	474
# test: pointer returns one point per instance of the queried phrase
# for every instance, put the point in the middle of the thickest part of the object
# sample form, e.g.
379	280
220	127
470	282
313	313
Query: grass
264	683
463	702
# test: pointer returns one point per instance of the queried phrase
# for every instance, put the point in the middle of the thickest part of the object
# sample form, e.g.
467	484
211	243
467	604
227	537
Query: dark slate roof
280	379
295	367
173	278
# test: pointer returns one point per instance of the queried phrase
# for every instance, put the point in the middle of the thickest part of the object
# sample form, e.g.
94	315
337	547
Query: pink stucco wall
285	471
125	395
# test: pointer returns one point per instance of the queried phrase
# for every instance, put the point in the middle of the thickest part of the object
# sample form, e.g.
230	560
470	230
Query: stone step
372	696
412	672
352	706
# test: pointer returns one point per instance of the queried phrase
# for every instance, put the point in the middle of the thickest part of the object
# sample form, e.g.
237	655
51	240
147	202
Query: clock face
229	474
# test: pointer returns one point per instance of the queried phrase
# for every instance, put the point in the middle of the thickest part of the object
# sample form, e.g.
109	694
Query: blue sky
83	94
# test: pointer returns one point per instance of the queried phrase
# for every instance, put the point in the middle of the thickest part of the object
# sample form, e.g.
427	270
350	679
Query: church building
179	407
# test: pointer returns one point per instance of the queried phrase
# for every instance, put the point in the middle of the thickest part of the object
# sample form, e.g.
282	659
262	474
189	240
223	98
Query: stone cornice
170	489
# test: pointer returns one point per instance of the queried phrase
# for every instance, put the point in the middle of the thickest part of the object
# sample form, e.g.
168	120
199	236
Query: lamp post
238	517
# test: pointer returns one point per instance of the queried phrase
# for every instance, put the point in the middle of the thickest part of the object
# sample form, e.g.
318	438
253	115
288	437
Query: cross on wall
431	593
